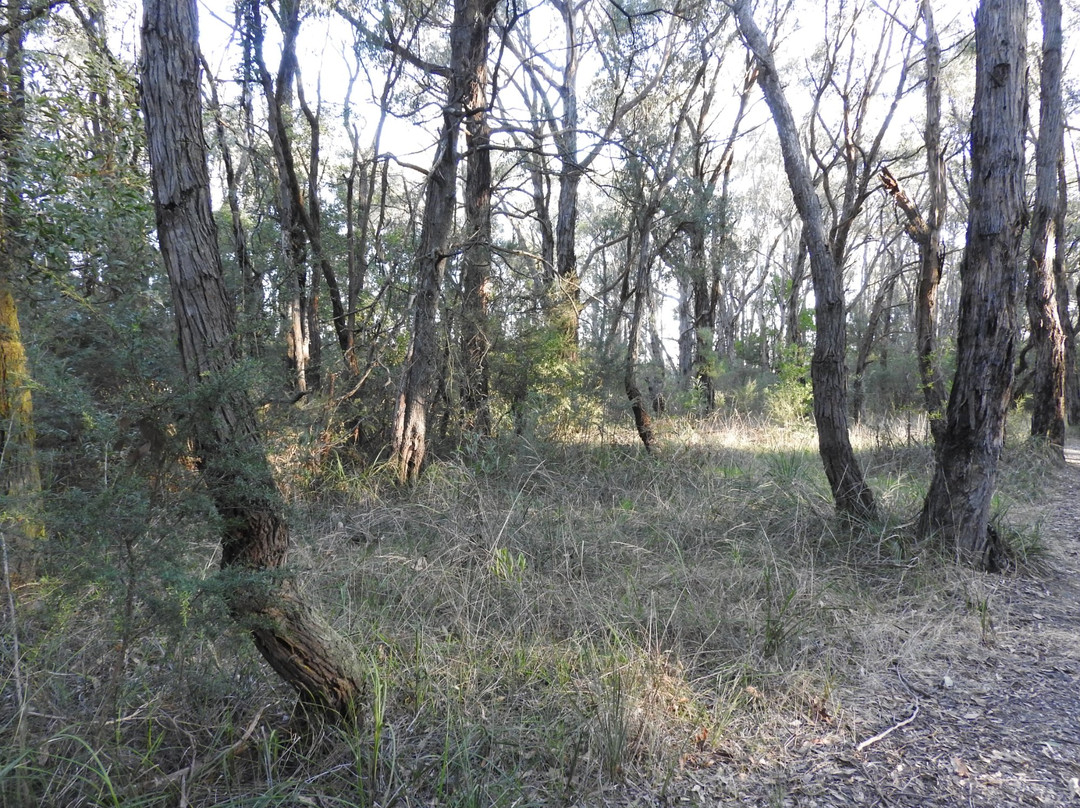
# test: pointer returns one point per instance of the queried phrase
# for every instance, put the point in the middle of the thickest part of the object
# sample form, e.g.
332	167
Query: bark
1047	333
294	640
957	505
827	368
20	478
1061	287
468	38
476	250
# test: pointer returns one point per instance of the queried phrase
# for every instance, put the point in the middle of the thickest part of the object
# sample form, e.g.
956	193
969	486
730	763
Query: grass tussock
539	625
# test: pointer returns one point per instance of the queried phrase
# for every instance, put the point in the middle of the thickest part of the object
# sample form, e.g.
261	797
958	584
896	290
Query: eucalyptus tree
463	101
293	639
708	225
850	491
958	502
299	206
1044	316
925	228
581	136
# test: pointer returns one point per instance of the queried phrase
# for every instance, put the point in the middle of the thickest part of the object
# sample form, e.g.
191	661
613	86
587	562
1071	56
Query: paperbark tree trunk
294	640
958	503
1047	332
827	367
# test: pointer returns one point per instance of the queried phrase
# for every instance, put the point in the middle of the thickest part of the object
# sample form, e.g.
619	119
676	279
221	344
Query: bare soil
990	718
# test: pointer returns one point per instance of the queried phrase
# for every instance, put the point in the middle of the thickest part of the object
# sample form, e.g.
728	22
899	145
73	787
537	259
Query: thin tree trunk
1047	333
250	278
958	503
472	20
827	368
640	293
866	344
1061	287
476	250
278	96
925	231
20	478
294	640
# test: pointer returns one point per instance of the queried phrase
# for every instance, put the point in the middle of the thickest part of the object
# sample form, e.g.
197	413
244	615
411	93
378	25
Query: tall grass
540	624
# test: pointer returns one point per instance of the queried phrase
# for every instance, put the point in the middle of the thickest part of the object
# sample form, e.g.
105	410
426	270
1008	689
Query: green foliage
548	395
790	399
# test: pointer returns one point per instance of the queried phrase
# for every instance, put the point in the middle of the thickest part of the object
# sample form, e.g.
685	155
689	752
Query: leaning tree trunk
297	643
958	503
1047	333
828	372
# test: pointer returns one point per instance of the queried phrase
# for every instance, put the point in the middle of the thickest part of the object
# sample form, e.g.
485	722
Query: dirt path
998	716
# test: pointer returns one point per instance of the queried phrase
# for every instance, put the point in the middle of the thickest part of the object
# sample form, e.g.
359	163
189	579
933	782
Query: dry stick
196	768
889	731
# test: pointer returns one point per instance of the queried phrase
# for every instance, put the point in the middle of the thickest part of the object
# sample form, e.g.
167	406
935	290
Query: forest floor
991	718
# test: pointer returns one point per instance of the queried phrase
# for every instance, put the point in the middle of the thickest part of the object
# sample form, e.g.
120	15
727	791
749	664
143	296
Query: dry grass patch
539	625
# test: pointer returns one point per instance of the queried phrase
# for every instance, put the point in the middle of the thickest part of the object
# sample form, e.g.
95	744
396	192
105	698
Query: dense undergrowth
539	623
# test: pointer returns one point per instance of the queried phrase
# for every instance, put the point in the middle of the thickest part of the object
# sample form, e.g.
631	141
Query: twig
196	768
889	731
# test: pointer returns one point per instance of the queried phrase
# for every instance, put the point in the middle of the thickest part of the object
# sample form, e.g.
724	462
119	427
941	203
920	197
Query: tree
20	479
925	231
468	65
1047	332
293	639
827	369
957	504
563	120
476	246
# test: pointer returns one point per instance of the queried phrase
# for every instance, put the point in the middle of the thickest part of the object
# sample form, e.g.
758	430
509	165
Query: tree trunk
640	292
1061	287
958	502
472	21
278	96
297	643
20	478
476	251
250	278
925	231
1047	333
827	368
878	310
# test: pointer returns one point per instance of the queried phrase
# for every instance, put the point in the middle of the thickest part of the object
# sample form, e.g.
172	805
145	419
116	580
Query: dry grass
541	624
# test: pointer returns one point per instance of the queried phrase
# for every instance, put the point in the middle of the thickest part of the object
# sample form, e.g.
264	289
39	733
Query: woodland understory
480	404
